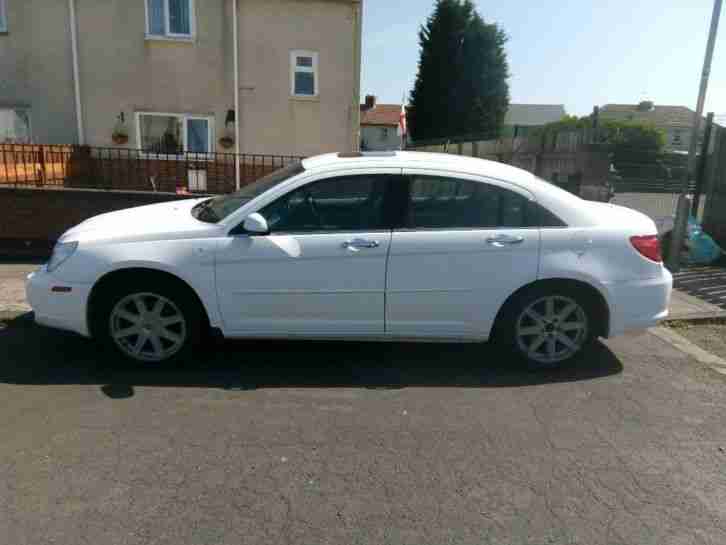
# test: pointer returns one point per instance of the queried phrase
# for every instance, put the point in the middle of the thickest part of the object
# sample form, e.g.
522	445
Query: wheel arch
597	299
111	278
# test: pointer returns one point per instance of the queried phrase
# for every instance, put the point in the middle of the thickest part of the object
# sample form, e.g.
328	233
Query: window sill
303	98
177	39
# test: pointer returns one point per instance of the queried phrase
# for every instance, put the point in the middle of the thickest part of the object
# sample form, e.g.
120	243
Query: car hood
167	220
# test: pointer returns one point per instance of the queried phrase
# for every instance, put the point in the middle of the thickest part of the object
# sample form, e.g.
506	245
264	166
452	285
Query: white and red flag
402	127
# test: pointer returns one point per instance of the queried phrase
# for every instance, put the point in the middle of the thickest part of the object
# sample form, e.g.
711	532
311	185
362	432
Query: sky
577	53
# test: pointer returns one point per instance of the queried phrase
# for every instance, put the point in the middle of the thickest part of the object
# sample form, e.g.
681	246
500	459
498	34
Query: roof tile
380	114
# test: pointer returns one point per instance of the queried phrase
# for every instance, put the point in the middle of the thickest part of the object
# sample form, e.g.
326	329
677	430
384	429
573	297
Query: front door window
348	203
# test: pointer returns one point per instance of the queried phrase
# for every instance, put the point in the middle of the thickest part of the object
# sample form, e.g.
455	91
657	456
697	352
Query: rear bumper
62	310
639	304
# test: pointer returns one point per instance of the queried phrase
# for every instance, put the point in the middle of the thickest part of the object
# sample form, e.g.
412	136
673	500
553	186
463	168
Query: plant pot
226	142
120	139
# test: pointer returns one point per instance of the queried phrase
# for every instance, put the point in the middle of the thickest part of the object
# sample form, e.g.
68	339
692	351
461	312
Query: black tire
505	331
179	297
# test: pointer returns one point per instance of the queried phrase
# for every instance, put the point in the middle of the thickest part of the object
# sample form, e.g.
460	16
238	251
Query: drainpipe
76	77
235	33
355	114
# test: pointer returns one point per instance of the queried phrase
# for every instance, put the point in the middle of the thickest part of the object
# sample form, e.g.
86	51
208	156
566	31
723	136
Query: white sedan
383	246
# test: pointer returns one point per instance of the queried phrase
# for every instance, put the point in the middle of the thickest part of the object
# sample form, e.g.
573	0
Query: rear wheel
547	328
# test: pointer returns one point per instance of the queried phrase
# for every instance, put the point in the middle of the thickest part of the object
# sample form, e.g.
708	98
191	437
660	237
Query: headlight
61	252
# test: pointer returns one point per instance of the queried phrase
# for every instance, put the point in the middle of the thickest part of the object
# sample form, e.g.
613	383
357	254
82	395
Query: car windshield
216	209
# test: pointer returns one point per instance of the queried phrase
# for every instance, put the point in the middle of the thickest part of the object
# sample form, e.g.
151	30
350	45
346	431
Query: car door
466	244
320	272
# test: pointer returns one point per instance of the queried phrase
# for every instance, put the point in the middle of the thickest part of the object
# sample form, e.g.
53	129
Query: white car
397	246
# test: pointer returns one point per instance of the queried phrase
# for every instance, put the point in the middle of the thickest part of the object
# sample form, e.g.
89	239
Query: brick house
379	125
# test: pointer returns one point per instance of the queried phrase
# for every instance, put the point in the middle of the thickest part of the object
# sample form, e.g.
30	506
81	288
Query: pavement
282	442
685	306
706	284
12	286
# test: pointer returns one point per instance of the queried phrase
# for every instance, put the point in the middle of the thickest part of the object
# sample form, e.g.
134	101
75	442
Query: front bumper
59	309
639	304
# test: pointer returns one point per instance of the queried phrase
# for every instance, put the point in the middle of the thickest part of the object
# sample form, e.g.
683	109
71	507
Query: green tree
461	87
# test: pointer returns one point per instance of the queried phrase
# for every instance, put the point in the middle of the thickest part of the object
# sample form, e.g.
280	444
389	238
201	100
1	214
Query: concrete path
687	307
12	286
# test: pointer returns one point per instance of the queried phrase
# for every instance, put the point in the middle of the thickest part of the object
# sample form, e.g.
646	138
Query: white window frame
184	118
3	16
28	111
294	68
168	35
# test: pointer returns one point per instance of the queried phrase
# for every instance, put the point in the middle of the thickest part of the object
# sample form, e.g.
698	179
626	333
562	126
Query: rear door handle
504	240
360	243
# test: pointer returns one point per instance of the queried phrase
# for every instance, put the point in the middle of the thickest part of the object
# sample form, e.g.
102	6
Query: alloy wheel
148	327
551	329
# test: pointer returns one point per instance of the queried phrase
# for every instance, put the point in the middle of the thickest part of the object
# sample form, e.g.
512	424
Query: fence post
714	167
41	166
701	172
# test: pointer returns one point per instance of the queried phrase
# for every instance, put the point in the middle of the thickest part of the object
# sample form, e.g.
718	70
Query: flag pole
403	122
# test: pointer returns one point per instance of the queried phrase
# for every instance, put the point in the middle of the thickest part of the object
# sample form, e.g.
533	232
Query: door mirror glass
256	224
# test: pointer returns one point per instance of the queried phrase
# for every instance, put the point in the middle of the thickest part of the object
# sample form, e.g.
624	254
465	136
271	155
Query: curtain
198	135
156	17
179	17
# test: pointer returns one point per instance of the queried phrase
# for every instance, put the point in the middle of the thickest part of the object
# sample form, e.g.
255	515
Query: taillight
648	246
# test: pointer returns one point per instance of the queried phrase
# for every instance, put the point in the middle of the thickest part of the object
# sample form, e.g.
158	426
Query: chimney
370	102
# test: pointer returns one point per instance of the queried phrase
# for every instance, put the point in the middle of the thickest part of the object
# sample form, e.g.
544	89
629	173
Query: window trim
3	17
168	35
294	68
29	112
198	155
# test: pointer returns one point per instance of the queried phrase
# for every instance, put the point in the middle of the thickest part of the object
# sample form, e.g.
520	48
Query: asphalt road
323	443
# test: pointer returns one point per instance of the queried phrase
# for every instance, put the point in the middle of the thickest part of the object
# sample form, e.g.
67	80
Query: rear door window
451	203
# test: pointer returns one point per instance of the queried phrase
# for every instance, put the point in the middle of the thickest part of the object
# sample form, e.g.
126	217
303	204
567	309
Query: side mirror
256	224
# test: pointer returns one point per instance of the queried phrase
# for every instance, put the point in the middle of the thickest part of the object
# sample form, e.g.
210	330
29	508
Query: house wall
122	71
371	137
36	68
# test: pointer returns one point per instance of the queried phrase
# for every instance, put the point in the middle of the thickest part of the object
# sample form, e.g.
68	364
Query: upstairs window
3	16
304	73
169	18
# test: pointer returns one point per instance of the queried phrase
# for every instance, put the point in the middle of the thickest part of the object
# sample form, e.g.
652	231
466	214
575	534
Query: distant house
379	125
676	121
525	117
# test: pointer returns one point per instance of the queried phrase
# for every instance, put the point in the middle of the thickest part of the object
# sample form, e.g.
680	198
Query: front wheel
547	328
155	324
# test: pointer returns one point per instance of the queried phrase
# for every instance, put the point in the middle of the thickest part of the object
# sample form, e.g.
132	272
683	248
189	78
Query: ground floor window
174	134
15	126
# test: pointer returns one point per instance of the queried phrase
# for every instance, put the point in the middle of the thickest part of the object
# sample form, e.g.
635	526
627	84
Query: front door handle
504	240
360	243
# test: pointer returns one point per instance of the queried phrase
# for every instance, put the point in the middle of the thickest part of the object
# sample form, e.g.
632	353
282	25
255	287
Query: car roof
418	159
